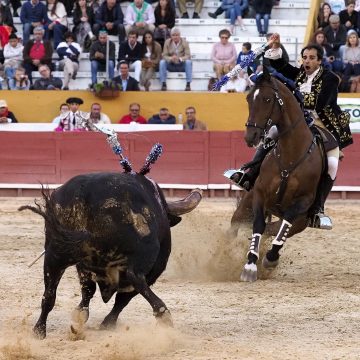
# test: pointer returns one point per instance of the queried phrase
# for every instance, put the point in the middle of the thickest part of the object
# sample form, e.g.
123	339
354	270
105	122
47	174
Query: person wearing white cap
6	116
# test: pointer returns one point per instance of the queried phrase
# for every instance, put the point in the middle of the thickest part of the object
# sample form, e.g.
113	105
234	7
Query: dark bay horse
290	173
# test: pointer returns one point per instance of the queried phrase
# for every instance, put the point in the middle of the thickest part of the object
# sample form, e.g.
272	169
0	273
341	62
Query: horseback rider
319	89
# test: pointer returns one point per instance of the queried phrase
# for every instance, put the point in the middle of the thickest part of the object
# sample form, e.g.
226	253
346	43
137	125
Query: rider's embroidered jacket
322	99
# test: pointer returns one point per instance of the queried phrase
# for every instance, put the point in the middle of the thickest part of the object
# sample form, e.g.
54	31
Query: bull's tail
64	241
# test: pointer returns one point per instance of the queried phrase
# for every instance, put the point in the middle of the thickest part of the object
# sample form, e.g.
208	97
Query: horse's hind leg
242	214
249	272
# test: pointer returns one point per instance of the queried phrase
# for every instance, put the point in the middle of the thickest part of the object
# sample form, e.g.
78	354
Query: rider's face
310	61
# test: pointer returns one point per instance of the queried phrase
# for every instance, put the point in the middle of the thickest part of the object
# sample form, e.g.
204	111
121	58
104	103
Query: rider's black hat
74	100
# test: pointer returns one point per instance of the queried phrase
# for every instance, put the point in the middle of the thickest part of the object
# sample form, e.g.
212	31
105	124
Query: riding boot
318	219
246	176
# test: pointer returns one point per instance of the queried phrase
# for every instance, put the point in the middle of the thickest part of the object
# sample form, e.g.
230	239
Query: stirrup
321	221
239	177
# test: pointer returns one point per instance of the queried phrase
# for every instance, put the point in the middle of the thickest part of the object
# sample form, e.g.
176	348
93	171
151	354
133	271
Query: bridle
269	122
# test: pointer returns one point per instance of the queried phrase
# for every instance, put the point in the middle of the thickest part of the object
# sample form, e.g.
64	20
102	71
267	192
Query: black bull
115	227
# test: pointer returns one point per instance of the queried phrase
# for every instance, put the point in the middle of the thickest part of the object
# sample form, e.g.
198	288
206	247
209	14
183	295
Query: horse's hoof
40	331
164	319
249	274
267	264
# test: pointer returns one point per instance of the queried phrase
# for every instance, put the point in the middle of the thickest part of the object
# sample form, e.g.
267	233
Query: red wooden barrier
188	158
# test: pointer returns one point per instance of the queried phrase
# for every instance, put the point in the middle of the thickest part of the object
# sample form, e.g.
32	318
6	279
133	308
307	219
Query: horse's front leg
294	222
249	272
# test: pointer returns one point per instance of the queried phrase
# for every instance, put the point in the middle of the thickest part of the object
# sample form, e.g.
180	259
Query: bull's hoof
108	323
80	315
40	331
267	264
164	319
249	273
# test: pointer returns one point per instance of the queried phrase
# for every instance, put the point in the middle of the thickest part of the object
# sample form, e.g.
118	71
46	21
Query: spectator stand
289	18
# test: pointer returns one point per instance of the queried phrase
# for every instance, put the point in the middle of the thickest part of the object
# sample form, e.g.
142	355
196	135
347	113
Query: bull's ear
266	74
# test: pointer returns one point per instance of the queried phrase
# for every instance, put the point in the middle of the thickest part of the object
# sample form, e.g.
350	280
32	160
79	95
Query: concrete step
211	27
175	82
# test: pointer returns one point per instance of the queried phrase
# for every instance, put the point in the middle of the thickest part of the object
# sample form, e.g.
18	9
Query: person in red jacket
133	116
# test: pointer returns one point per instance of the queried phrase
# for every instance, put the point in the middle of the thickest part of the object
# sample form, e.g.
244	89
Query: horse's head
265	107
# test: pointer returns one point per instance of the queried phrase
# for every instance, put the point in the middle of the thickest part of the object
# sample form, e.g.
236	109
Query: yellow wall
219	111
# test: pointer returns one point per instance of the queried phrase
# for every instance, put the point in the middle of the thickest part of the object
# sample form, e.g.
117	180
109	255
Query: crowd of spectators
47	30
161	49
338	29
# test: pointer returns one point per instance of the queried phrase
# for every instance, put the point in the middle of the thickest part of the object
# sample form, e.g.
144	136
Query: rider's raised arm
278	61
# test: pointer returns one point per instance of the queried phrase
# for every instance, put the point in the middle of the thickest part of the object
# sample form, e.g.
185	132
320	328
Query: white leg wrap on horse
282	234
255	244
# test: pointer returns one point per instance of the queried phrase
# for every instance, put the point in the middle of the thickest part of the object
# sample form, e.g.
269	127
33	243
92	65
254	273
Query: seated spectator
83	19
15	4
335	33
58	23
133	116
69	53
132	51
329	59
349	16
71	120
223	54
47	81
13	55
183	11
323	18
245	54
164	21
151	54
64	109
127	82
234	10
20	80
37	52
191	122
33	14
110	18
139	17
351	55
176	58
164	117
98	57
6	23
96	116
263	11
6	116
237	84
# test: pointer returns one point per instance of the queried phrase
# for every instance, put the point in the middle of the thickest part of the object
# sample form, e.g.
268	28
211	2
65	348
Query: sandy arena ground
309	308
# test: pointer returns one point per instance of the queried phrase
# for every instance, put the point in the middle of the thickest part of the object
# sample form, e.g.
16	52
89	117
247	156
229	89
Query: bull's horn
185	205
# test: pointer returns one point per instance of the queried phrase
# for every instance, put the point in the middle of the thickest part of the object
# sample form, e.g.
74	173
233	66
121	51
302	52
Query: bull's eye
267	100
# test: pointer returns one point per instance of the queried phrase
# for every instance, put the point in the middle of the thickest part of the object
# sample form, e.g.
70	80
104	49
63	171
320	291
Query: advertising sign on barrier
351	105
